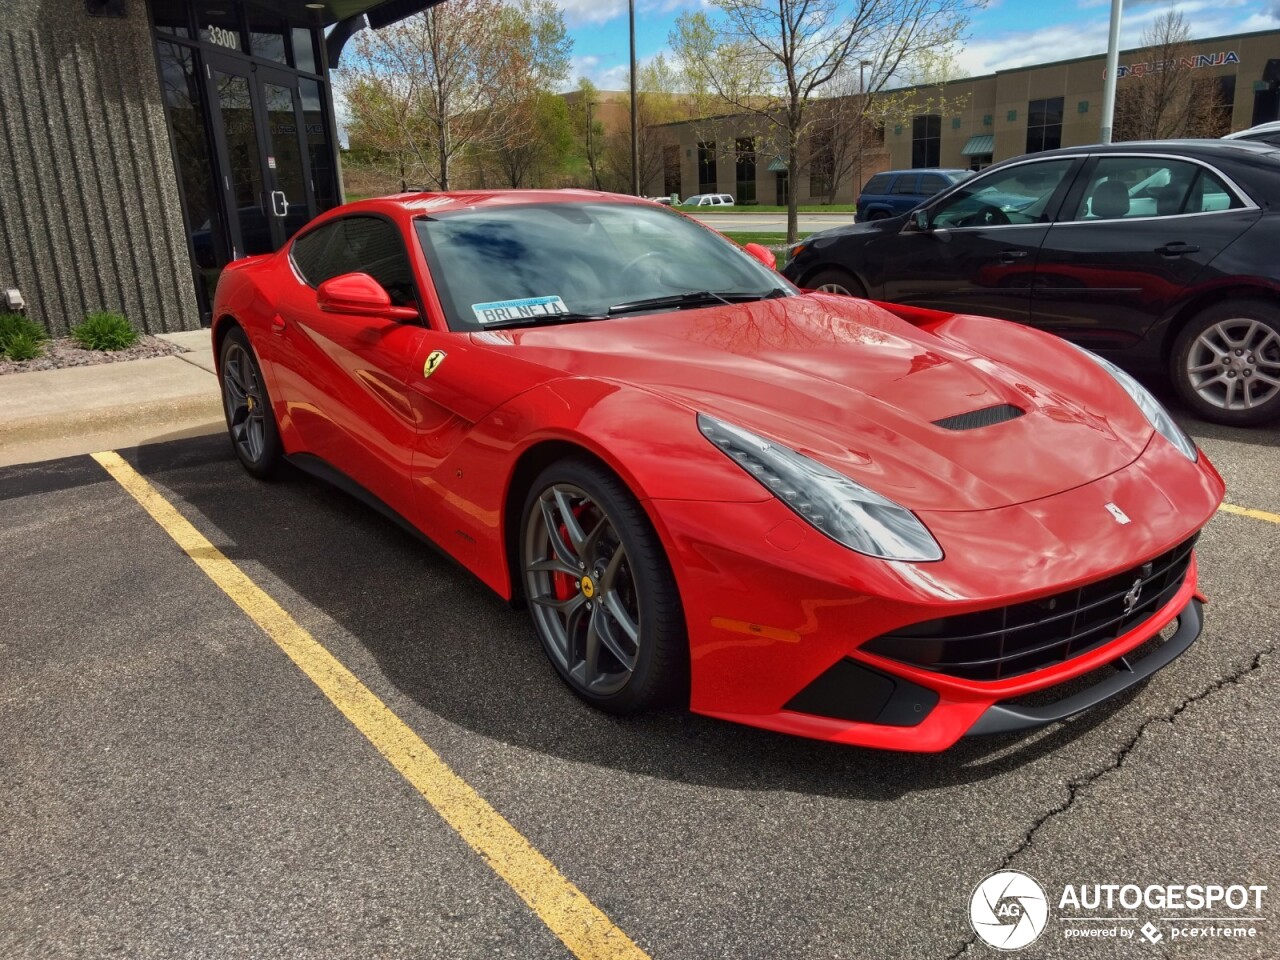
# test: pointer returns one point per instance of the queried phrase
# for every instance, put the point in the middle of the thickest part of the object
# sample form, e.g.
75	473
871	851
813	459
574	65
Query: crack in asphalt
1076	787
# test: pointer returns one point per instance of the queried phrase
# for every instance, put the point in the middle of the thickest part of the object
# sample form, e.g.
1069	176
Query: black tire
251	421
652	670
832	278
1224	361
879	215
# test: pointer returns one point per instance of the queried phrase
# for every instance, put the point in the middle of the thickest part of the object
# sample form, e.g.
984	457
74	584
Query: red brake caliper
563	582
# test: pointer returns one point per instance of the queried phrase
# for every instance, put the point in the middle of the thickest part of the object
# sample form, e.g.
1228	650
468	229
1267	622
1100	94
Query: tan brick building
1004	114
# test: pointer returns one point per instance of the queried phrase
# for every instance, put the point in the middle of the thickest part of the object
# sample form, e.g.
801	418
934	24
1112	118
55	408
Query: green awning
977	146
777	165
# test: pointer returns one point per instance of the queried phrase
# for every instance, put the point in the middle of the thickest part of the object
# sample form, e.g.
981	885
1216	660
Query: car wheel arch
1199	302
531	462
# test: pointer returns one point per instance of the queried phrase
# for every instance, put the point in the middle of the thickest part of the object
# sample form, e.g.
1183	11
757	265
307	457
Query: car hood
850	384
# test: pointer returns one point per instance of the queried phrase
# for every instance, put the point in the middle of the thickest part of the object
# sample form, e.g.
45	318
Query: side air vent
986	417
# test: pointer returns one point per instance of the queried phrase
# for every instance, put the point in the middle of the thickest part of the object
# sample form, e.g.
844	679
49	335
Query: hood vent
986	417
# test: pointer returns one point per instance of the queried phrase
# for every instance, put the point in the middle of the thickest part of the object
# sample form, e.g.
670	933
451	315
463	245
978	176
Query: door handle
1009	256
1177	249
279	203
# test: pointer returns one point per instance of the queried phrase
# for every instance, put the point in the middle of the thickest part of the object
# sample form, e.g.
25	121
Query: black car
1160	256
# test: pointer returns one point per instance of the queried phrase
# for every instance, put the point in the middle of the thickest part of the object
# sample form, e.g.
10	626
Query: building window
671	170
746	170
822	163
708	182
980	161
926	140
1044	124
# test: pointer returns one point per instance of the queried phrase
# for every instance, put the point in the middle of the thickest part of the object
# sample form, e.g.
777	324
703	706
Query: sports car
865	523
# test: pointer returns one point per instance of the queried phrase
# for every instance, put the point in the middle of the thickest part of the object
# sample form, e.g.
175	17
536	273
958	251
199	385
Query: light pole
862	122
1113	67
635	128
591	153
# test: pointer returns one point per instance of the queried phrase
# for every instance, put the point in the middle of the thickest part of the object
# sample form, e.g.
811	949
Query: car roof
1270	127
1194	148
886	173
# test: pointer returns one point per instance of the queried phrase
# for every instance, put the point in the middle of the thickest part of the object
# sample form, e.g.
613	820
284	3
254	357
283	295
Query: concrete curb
152	416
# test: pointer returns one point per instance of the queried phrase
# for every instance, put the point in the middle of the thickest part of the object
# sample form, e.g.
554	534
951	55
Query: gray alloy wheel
1225	362
247	405
600	590
1235	364
579	584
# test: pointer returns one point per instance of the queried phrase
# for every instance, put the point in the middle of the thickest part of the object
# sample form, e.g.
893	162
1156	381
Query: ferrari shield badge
434	359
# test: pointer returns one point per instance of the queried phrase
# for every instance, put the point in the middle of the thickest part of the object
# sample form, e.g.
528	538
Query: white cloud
1001	51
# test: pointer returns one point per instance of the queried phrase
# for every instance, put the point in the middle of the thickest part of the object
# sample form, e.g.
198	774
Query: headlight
845	511
1151	408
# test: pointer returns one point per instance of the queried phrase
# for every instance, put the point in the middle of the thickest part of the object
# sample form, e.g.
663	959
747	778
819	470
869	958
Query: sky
1008	33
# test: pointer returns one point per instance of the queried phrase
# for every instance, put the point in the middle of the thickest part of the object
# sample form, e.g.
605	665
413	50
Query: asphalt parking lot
174	785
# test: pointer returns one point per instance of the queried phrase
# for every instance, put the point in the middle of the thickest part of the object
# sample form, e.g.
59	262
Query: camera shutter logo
1008	910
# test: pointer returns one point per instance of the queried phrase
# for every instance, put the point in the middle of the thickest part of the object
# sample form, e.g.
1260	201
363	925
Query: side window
1127	187
878	184
357	245
1013	195
907	184
931	183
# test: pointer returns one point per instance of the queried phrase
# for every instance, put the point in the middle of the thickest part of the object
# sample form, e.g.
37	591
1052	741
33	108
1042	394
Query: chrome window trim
1003	167
1232	186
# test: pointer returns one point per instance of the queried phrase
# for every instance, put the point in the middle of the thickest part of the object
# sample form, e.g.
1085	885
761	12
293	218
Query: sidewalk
59	413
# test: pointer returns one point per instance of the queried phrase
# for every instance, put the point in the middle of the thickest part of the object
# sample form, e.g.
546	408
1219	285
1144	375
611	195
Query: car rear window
878	184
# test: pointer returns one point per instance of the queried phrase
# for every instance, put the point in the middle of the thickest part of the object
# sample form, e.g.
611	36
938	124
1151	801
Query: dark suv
893	192
1160	256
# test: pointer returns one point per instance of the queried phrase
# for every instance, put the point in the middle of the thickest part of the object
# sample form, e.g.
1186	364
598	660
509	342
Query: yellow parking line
1249	512
565	909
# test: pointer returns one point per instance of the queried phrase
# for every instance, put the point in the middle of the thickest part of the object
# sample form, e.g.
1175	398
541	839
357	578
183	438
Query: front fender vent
986	417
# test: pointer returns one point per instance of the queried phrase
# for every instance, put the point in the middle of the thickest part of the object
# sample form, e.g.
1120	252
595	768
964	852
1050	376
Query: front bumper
772	605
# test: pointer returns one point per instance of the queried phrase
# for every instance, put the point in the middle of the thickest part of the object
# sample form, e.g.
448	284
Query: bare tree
658	103
588	130
773	58
1163	98
435	86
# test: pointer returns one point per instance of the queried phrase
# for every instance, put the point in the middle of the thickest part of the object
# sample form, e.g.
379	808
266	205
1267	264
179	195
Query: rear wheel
1226	363
600	590
247	405
835	280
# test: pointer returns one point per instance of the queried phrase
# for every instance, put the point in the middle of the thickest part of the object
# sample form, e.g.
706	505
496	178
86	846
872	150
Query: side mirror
763	254
920	220
359	295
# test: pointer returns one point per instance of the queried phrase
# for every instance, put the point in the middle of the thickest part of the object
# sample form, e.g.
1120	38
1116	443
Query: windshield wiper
549	319
698	298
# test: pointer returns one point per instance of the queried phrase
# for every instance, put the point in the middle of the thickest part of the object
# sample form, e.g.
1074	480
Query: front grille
986	417
1010	641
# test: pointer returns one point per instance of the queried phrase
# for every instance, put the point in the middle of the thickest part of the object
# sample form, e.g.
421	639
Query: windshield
554	262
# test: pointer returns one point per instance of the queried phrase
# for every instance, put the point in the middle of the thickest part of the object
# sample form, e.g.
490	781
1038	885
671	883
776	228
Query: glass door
258	138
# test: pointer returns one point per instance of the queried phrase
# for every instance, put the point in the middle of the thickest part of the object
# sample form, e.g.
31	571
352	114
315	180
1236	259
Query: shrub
17	331
104	331
23	346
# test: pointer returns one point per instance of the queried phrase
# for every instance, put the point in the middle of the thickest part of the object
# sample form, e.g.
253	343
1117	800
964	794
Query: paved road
172	785
773	222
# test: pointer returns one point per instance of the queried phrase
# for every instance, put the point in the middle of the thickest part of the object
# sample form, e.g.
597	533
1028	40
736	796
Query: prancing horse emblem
434	359
1131	598
1121	517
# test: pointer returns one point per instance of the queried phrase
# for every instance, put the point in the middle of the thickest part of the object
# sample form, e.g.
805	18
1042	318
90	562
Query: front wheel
1226	363
600	590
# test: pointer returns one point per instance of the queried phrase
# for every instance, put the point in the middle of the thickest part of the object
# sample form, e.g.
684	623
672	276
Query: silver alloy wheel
1235	364
243	397
581	590
834	288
